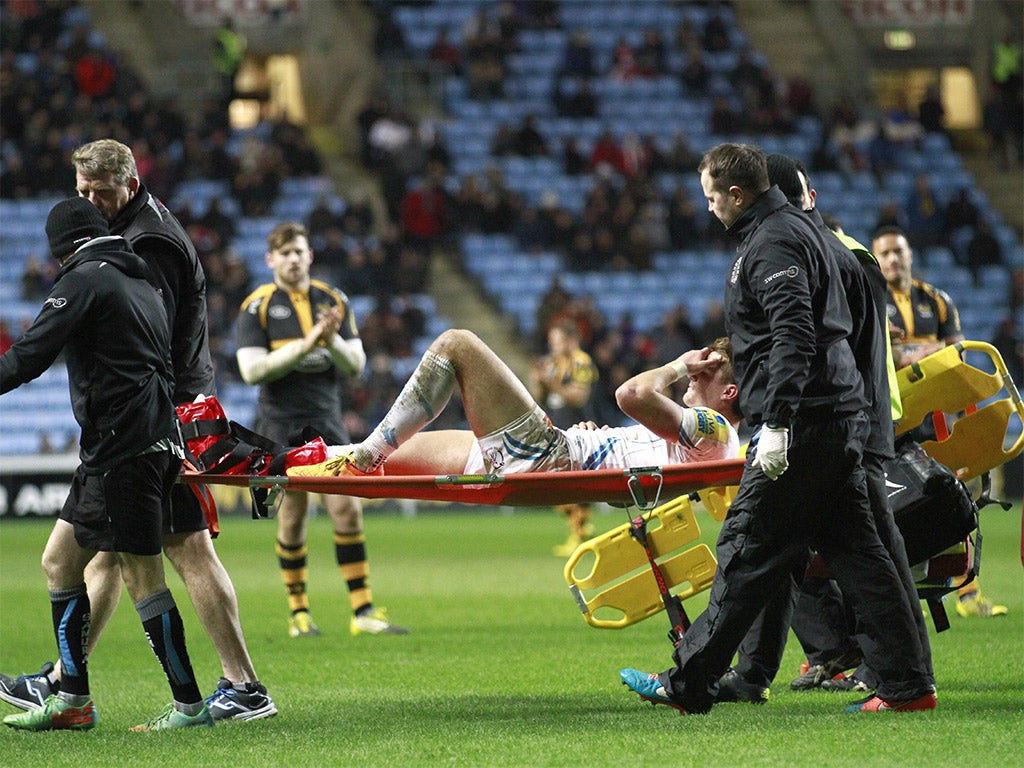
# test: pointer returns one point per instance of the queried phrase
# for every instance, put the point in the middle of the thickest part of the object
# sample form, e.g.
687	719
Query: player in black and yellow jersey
297	339
562	381
925	320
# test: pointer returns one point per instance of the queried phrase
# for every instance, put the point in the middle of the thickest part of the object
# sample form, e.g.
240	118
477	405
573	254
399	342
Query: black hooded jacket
788	319
105	313
162	242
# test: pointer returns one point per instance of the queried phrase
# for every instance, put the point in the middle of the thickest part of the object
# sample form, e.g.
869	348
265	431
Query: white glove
771	451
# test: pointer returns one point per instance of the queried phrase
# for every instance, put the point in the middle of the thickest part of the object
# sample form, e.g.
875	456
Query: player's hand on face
702	361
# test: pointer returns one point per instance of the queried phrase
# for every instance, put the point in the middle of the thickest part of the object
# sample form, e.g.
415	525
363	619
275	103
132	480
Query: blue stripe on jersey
595	459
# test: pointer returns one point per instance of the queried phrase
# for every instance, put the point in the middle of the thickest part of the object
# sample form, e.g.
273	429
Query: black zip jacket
162	242
864	285
105	313
788	319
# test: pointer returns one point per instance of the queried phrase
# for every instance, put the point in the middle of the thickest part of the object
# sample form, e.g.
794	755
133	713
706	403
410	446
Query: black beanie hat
72	223
783	172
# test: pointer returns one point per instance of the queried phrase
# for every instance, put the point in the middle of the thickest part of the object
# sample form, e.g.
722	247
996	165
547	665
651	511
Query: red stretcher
640	486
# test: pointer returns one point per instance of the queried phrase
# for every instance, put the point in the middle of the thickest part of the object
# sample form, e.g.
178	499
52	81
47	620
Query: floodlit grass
500	668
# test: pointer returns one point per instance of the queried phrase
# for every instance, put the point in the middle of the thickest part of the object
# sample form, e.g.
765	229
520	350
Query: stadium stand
639	120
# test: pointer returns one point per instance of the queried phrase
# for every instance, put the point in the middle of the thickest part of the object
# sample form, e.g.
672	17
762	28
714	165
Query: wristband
679	367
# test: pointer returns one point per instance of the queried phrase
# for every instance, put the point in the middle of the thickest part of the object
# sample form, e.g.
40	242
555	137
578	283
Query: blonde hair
98	158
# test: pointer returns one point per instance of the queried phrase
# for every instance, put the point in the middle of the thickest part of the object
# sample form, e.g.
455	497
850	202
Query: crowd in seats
63	86
581	162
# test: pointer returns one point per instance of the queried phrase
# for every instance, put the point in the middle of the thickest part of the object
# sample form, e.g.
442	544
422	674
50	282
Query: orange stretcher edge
640	486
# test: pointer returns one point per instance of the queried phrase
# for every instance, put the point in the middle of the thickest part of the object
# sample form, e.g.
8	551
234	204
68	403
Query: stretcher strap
673	605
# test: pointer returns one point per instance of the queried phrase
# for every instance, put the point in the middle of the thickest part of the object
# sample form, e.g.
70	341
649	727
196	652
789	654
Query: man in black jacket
797	376
107	176
106	314
761	651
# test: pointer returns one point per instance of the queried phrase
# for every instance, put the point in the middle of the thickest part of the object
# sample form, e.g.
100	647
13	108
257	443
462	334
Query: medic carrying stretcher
975	414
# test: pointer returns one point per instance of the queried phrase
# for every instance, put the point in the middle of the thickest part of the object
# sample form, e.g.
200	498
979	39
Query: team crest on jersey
279	312
924	310
495	457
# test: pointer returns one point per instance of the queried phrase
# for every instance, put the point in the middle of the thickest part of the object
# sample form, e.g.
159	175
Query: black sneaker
816	675
228	703
732	687
847	684
29	691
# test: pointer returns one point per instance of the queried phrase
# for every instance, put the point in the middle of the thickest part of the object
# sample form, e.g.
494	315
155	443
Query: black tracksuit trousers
821	501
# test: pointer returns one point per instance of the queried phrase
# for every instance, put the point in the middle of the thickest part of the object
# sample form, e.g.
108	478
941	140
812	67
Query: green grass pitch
500	668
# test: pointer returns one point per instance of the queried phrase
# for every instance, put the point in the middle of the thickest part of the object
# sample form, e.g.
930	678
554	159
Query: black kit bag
932	507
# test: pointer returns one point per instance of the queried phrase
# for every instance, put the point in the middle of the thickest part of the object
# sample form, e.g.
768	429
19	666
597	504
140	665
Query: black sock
71	612
166	633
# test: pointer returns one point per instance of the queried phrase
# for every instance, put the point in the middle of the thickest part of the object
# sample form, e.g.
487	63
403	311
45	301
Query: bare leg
213	595
103	578
64	561
492	395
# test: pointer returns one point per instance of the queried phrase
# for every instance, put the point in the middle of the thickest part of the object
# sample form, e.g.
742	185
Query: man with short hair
106	315
923	320
297	339
803	483
761	651
106	175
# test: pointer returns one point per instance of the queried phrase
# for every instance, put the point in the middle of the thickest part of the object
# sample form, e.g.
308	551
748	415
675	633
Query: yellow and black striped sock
350	551
294	573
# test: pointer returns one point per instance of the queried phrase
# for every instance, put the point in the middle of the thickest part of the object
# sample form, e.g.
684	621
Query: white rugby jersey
637	446
533	444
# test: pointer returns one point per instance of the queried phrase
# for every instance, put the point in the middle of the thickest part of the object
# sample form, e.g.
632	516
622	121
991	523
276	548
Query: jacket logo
735	274
790	272
55	302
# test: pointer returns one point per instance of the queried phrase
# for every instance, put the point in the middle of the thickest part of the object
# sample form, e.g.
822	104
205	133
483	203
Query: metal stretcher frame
639	486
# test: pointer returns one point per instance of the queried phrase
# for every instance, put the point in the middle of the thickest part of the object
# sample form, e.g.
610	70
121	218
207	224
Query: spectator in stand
695	75
883	153
624	64
220	222
444	54
651	55
983	250
725	118
607	152
675	334
800	96
228	55
998	121
716	32
1011	347
574	98
961	214
680	157
713	325
484	53
527	141
923	209
684	228
95	73
573	161
578	58
425	211
930	112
